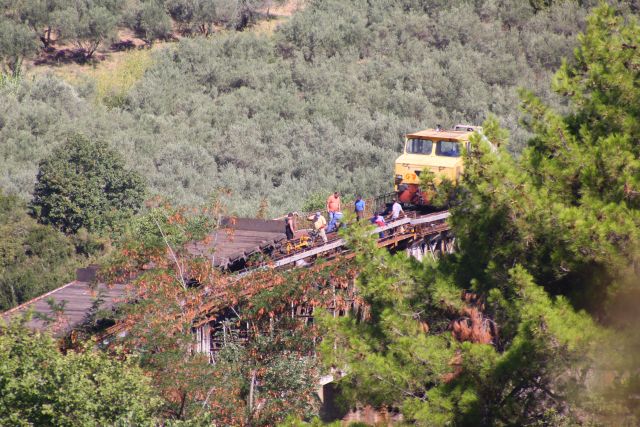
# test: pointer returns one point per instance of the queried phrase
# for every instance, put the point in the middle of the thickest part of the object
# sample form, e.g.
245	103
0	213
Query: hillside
321	104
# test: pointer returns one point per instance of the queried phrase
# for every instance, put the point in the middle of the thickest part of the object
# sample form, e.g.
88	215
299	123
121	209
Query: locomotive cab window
419	146
448	149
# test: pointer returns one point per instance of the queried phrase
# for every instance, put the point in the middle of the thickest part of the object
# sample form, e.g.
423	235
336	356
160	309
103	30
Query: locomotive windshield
448	148
419	146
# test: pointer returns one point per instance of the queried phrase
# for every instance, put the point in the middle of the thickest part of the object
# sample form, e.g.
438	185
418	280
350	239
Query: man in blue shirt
359	205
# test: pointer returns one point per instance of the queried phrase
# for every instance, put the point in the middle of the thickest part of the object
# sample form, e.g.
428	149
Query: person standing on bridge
396	210
378	220
290	226
319	224
359	207
334	206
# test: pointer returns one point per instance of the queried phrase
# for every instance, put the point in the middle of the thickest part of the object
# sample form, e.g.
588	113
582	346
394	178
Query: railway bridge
234	245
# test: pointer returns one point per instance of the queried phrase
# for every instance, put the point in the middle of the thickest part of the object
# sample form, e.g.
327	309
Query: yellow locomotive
436	150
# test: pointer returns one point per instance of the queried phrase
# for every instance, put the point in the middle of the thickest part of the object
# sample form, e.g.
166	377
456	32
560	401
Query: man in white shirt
396	210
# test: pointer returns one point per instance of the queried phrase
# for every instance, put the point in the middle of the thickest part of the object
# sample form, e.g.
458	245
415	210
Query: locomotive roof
441	134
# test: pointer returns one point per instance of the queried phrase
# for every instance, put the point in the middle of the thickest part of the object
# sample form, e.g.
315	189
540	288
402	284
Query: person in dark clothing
290	227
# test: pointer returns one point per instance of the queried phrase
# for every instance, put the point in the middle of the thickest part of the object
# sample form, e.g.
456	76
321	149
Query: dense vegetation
30	26
321	105
41	386
84	184
34	258
82	189
541	238
265	369
531	322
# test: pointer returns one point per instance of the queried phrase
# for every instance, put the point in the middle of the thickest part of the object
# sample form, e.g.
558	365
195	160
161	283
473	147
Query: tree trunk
182	406
47	40
93	46
15	66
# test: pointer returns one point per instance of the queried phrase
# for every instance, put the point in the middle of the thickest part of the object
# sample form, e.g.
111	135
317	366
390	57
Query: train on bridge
246	247
241	246
431	155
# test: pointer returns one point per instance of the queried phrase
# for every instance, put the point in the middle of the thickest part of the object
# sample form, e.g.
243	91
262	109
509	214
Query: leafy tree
88	23
247	10
255	382
568	209
315	202
390	357
84	184
444	360
16	43
560	221
194	15
41	386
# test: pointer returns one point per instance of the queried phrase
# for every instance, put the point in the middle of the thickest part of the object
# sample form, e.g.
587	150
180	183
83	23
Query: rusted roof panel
254	224
240	238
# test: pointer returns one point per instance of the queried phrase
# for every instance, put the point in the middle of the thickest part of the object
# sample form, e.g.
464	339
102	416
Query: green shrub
34	258
41	386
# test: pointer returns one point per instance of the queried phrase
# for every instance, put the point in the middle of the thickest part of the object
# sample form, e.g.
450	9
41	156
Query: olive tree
153	21
39	16
193	16
88	24
16	42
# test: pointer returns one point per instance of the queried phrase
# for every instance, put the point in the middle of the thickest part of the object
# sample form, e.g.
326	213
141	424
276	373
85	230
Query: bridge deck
434	219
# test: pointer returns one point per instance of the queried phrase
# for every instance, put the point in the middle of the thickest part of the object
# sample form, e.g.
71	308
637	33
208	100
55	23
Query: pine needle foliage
545	244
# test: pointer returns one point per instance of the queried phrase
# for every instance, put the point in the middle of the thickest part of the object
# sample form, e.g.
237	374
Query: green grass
113	82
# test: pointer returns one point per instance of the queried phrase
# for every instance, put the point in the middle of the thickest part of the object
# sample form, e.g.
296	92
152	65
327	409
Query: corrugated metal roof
78	298
238	240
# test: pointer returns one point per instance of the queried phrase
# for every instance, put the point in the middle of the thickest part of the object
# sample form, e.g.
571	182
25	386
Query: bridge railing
395	228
